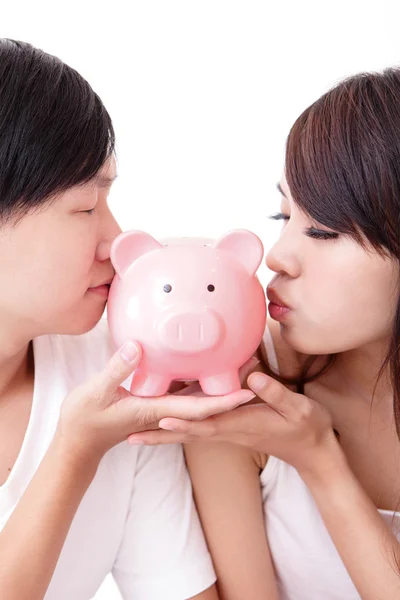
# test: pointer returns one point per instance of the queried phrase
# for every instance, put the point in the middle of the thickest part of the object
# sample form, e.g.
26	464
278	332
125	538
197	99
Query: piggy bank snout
191	332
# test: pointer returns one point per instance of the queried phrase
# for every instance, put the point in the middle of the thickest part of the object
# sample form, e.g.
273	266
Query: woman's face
52	257
341	296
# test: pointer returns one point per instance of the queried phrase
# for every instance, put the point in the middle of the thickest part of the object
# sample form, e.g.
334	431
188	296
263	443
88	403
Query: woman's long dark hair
55	132
343	169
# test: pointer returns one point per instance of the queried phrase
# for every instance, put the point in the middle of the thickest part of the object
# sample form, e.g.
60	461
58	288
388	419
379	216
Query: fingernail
135	442
254	362
248	397
257	381
129	351
167	427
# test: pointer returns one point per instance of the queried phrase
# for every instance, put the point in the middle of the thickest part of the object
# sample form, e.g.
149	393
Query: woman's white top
137	519
307	564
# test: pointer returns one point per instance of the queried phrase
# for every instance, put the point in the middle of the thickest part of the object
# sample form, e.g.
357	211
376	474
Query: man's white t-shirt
137	519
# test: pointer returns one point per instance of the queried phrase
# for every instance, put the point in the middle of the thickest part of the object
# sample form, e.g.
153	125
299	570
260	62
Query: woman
303	506
76	503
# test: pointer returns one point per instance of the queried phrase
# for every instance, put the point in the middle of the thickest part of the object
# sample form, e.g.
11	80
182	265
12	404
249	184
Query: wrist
328	463
75	458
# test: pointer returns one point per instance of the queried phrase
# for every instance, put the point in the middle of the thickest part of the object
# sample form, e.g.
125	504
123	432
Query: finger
188	407
194	388
146	427
177	386
119	367
206	428
270	391
233	425
153	438
189	390
247	368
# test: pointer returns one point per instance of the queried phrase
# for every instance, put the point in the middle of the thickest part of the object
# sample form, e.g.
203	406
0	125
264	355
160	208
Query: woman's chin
307	347
300	341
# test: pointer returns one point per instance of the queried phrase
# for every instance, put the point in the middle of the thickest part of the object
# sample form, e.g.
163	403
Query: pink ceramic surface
198	310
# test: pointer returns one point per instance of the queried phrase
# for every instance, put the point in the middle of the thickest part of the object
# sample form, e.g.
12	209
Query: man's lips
103	287
104	282
103	290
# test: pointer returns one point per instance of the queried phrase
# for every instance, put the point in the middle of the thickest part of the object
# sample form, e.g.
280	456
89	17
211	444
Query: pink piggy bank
198	310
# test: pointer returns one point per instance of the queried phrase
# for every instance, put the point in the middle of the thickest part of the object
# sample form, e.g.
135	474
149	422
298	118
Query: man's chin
82	324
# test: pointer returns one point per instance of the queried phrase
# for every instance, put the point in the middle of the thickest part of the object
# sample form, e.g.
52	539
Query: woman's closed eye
312	232
320	234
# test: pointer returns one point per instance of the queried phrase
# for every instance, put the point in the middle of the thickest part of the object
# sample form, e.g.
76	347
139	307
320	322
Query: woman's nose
283	258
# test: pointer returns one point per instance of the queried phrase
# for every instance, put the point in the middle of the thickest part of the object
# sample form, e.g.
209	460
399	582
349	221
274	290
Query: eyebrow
279	188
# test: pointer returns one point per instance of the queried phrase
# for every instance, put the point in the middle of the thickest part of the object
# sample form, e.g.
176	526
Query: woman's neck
357	371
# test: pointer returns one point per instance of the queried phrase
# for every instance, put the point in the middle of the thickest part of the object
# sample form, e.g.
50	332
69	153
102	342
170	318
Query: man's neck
16	371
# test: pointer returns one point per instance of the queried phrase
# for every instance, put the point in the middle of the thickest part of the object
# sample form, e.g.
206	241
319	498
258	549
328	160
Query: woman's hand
284	424
99	413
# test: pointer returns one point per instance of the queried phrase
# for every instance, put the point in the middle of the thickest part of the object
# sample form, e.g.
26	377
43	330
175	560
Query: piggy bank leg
224	383
149	384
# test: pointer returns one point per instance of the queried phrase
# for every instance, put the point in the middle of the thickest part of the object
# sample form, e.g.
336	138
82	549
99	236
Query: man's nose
111	231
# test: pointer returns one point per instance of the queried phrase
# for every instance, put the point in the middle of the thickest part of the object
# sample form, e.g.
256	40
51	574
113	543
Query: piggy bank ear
245	246
128	246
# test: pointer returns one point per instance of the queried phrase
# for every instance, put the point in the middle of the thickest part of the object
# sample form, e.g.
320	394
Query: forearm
367	547
33	537
210	594
226	486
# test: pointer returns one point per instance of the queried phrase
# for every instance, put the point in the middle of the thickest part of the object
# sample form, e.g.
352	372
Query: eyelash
90	211
316	234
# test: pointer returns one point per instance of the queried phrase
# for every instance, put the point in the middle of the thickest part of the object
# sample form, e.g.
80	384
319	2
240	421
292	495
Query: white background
202	95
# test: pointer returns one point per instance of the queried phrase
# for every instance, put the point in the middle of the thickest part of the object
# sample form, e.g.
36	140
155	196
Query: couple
295	477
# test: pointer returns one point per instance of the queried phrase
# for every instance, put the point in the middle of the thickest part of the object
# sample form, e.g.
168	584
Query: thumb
119	367
247	368
269	390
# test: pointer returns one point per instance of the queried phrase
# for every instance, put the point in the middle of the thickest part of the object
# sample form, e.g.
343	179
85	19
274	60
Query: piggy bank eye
167	288
211	287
